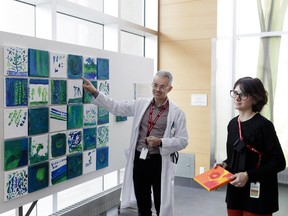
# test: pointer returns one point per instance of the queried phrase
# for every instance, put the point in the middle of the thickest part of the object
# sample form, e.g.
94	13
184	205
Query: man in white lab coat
158	131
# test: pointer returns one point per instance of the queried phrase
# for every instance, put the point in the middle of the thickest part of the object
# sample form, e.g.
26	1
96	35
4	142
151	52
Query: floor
192	200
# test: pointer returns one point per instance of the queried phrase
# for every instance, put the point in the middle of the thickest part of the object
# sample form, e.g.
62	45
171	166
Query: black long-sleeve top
259	133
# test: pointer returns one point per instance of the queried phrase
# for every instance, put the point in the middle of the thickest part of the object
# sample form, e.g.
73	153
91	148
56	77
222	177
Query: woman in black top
254	154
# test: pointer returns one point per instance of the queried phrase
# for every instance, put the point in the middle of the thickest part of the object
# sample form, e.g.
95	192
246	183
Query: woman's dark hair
255	88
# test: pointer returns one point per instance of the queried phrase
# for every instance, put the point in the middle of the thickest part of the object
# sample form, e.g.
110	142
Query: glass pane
247	55
92	4
111	7
133	11
17	17
248	20
110	180
151	14
78	31
132	44
248	50
78	193
45	205
9	213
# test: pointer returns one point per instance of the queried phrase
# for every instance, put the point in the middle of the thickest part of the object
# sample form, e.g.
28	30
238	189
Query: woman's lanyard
151	122
249	146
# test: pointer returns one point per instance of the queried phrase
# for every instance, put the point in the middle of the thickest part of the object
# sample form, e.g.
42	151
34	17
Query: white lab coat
175	138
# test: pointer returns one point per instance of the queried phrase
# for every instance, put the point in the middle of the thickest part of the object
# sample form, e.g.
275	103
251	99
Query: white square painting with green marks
38	148
15	122
75	91
38	92
90	115
15	61
58	118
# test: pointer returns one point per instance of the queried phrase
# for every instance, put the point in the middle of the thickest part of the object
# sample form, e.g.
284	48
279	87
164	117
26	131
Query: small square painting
74	141
58	170
38	120
38	92
38	176
38	148
102	157
15	61
89	161
58	91
38	63
75	66
75	116
102	69
16	183
102	136
58	144
58	65
16	91
15	123
58	118
89	71
74	165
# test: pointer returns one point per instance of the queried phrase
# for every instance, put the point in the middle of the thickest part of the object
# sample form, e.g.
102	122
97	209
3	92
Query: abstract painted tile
15	153
90	115
102	157
121	118
58	65
89	161
89	138
58	118
75	116
58	144
75	91
102	69
16	183
102	136
58	170
38	120
74	141
103	86
38	177
38	149
15	123
87	96
75	66
74	165
16	92
102	116
15	61
58	91
38	63
89	70
38	92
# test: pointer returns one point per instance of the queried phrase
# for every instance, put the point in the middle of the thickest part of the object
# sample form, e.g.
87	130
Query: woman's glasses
242	95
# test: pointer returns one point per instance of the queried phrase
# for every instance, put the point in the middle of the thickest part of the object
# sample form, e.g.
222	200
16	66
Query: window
132	44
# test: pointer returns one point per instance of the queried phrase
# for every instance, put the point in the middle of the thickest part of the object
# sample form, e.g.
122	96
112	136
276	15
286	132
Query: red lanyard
249	146
151	122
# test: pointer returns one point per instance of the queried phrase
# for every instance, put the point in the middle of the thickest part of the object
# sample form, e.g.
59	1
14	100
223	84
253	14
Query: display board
52	137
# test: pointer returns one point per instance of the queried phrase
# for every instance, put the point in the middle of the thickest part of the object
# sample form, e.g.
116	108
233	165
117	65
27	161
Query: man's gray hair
166	74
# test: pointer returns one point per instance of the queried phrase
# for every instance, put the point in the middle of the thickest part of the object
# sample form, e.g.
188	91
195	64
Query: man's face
160	88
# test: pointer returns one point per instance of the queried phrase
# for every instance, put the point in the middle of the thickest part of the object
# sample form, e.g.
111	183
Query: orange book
213	178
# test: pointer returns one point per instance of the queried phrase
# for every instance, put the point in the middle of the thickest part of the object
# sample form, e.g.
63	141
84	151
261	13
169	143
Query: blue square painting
75	116
38	120
89	138
75	66
102	157
74	165
58	144
15	61
15	153
102	69
38	63
38	176
58	91
89	71
74	141
102	116
16	92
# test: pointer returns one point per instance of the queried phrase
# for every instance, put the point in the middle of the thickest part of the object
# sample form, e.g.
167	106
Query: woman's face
242	101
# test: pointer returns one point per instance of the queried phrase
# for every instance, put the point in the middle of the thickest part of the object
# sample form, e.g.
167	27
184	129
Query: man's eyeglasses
242	95
161	88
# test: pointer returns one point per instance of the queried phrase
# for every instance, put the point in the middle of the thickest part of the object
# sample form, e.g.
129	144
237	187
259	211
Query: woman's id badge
144	153
255	190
